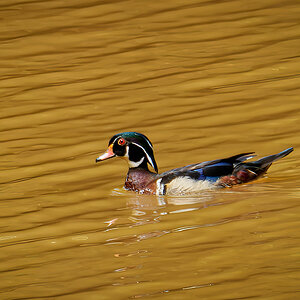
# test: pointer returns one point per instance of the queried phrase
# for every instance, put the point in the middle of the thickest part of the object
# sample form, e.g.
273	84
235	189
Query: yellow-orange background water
203	80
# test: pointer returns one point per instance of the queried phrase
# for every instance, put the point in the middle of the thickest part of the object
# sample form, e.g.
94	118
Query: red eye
121	142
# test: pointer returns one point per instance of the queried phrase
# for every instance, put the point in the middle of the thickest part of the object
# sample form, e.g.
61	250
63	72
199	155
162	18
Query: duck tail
268	160
251	170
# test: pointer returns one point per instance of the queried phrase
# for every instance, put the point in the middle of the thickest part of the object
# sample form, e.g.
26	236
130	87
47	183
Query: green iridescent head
133	146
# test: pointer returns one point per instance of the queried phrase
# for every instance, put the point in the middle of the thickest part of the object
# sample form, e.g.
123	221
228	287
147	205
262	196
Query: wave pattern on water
204	78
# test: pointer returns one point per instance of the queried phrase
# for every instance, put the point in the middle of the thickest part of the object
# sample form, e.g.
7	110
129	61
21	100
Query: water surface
203	80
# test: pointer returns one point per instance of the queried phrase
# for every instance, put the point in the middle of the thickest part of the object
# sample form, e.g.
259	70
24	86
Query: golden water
203	80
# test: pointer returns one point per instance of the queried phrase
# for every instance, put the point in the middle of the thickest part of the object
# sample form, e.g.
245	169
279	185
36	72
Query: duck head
132	146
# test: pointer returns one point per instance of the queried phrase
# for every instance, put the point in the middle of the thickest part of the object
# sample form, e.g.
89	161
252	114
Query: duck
137	150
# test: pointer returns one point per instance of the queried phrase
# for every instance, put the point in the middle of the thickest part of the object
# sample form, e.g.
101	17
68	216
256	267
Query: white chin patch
135	164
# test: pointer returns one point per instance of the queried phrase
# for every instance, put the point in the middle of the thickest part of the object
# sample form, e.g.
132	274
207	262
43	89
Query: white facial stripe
148	157
115	139
149	143
134	164
126	153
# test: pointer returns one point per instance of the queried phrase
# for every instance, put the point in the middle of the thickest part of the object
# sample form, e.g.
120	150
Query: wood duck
137	149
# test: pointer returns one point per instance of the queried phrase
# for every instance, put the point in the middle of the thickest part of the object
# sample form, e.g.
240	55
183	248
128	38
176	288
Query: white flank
185	185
